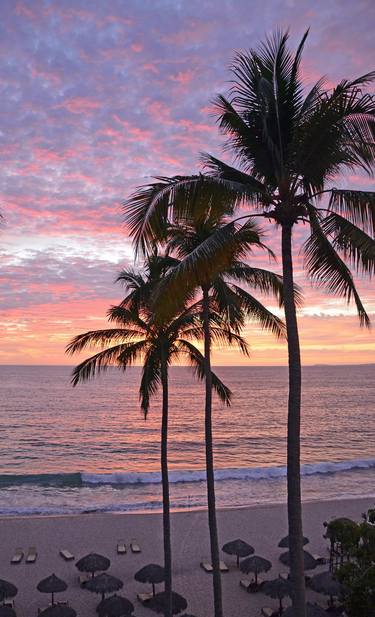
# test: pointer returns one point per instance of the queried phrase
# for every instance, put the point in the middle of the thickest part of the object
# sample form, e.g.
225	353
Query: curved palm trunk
294	423
218	604
165	485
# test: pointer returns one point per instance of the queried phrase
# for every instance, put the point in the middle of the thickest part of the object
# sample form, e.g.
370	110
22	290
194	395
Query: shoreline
187	509
260	525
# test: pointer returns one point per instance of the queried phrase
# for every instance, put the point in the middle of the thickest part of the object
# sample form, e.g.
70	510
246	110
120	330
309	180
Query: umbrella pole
238	561
103	595
153	589
53	599
281	606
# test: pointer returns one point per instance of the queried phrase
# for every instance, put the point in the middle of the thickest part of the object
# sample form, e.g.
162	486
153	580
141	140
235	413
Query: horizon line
216	365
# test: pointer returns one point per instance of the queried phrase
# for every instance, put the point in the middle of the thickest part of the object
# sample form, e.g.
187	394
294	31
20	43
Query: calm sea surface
65	450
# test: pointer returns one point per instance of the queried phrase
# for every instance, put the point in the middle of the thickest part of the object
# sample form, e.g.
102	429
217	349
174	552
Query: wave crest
122	479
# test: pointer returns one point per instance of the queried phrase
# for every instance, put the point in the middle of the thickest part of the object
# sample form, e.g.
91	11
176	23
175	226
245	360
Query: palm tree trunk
212	523
294	424
165	484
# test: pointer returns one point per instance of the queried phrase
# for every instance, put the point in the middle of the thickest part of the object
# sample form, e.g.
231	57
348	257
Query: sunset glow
95	102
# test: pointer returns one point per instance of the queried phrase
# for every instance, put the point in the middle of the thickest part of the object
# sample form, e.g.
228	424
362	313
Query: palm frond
100	362
256	311
151	379
227	336
95	338
357	206
266	281
237	186
327	269
123	315
197	362
356	245
150	209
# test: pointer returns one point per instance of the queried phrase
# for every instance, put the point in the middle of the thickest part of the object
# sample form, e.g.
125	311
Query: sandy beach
260	526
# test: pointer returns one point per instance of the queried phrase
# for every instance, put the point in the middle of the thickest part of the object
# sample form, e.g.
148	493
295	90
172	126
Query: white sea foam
247	473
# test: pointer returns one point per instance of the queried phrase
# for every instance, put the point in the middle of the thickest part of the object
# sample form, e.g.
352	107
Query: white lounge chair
245	584
31	555
134	546
121	547
67	555
207	566
17	557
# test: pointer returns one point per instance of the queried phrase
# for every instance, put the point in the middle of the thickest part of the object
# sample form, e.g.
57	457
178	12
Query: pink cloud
137	48
183	77
80	105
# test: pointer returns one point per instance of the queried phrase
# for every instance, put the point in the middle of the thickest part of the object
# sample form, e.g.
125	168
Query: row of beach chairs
31	555
19	555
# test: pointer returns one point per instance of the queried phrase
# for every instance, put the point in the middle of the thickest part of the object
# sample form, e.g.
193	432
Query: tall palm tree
136	337
222	294
290	146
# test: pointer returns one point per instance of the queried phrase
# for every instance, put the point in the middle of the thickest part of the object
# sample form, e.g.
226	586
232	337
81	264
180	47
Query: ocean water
89	448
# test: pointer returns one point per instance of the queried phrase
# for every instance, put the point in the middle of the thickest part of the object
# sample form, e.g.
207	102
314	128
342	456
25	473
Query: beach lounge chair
268	612
17	557
83	578
245	584
252	586
67	555
144	597
207	567
31	555
121	547
135	548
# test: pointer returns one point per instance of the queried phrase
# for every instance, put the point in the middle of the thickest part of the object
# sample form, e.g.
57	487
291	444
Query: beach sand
260	526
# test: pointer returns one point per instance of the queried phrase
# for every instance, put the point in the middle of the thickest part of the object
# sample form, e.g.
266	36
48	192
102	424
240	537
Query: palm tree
290	146
223	295
137	337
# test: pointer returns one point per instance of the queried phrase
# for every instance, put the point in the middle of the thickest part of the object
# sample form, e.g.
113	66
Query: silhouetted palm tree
222	294
290	146
136	338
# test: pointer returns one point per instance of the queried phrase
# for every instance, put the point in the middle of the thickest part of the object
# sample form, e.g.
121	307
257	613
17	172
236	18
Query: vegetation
355	567
136	338
290	146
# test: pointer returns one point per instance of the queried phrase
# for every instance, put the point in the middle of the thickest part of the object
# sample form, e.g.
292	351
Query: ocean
67	450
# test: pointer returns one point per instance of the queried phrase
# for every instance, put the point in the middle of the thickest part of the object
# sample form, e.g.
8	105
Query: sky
98	97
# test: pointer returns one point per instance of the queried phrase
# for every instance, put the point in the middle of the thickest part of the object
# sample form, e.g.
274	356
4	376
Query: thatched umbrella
52	584
7	611
327	584
7	590
309	563
255	564
284	542
158	603
278	589
238	548
115	606
312	610
103	583
58	610
93	563
152	573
